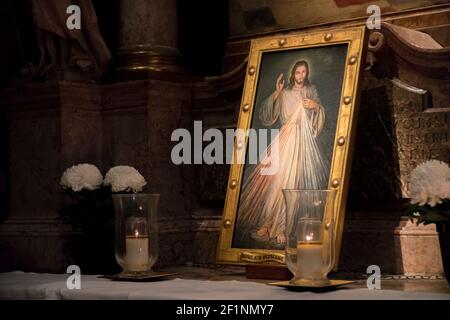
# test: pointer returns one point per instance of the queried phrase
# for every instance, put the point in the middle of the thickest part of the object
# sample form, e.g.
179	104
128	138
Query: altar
197	283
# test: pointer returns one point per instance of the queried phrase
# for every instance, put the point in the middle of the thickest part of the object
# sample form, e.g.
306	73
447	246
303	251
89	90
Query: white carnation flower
123	178
429	183
82	176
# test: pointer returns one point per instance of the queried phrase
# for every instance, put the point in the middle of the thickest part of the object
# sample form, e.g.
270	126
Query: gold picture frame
342	51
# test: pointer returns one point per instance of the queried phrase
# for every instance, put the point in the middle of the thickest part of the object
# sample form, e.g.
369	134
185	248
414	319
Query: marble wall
55	125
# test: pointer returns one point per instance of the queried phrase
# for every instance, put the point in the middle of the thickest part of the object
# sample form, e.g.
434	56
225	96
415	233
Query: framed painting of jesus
295	130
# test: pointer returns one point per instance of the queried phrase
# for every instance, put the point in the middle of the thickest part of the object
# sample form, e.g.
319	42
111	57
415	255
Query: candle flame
310	236
136	233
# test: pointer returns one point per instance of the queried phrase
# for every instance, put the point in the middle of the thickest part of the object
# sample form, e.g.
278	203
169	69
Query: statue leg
51	51
41	43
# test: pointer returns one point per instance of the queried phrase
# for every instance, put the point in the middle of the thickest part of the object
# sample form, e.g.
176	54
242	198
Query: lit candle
136	247
309	260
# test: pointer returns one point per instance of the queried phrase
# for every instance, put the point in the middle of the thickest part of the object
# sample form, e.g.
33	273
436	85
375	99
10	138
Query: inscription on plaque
421	133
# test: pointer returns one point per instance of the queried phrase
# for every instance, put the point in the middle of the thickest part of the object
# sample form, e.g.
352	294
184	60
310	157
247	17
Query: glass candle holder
310	252
136	232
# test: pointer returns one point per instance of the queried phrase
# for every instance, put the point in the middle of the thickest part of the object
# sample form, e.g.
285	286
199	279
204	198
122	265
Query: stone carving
419	69
62	49
422	133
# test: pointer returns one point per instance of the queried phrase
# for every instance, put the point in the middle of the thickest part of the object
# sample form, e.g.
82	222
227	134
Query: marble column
147	34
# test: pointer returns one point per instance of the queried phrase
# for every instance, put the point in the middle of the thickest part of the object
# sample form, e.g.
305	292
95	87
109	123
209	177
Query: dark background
202	34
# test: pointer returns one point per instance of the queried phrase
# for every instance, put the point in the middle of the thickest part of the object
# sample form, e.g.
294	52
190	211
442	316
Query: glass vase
136	233
310	252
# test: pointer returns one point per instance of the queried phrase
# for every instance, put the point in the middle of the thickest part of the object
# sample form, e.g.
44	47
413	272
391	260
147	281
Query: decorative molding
237	47
414	58
51	226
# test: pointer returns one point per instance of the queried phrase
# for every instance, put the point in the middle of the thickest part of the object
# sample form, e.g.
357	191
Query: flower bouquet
429	190
91	212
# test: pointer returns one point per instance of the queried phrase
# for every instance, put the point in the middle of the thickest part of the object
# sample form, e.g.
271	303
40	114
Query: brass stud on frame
335	183
328	36
246	107
341	141
347	100
251	70
282	42
239	145
233	184
352	60
227	223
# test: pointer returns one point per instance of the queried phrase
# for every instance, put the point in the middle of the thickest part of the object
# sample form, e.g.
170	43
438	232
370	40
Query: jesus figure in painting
297	107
